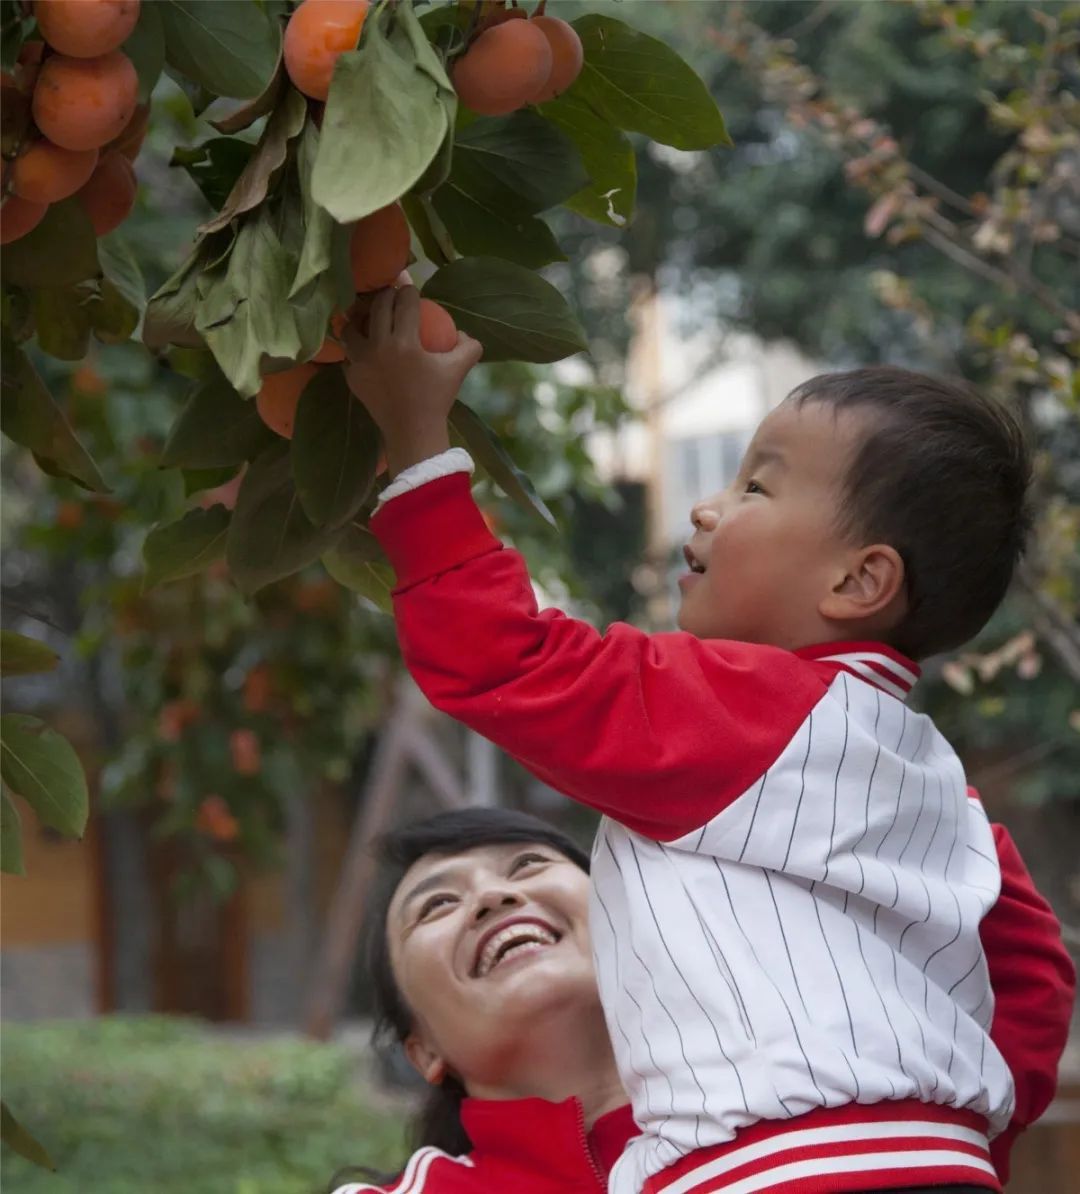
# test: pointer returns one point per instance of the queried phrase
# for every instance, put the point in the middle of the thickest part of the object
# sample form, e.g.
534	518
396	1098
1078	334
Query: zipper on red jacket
598	1173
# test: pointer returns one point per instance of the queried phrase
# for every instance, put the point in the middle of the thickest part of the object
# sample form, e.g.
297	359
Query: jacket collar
546	1138
873	662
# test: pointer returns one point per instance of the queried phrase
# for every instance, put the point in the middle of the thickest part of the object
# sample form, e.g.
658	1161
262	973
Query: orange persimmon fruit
503	69
109	195
45	173
567	57
86	28
318	33
83	103
379	248
279	397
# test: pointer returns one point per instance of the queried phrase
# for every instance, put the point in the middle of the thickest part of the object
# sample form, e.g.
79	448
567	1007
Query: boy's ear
873	582
428	1063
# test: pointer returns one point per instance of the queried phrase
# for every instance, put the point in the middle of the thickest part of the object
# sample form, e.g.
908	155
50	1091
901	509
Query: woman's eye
524	860
436	901
753	487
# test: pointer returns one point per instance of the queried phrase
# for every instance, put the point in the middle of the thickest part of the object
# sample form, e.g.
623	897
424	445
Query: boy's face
769	544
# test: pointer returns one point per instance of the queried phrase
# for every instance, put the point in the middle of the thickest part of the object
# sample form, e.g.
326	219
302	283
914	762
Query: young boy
790	875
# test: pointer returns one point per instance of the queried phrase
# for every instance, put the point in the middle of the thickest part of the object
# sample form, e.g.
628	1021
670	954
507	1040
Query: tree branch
1052	624
970	261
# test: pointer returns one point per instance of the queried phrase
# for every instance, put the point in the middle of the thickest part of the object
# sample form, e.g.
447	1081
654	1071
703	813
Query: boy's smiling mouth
695	565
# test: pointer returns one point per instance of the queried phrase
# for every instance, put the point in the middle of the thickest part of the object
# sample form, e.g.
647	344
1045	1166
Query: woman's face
487	946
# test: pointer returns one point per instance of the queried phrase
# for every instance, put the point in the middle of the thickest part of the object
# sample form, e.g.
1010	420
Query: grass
132	1105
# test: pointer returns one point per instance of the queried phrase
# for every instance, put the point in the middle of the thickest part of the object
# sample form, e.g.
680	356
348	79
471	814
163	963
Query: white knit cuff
453	460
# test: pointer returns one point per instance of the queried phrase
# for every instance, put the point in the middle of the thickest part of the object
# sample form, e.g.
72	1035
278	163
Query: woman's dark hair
450	833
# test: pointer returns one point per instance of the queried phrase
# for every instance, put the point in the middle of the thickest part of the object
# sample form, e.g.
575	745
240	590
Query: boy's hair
941	474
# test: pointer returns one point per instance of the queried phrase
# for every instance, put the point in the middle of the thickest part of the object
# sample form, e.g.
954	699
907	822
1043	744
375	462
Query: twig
811	21
976	265
1052	624
930	183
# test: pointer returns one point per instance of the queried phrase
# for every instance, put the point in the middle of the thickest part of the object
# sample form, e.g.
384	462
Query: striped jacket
788	881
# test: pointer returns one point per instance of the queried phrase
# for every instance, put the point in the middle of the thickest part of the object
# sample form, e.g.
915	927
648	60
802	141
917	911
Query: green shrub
132	1105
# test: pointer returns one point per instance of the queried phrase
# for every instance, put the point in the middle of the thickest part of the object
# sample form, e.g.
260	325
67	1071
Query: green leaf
438	170
341	267
16	25
15	1136
185	547
146	49
230	49
270	536
357	562
386	107
316	252
245	313
216	429
214	166
515	314
504	172
485	448
62	322
172	309
643	86
608	158
11	859
119	304
122	270
199	97
429	229
42	767
335	450
522	160
22	656
112	317
30	417
246	116
480	231
253	183
196	480
60	251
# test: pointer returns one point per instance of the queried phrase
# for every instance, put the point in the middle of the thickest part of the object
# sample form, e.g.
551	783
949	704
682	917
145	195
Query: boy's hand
409	392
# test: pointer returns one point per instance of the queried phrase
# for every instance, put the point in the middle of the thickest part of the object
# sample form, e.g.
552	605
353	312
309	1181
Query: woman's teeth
510	940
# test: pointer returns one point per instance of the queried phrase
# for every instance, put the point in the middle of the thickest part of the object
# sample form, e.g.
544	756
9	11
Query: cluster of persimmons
511	61
71	105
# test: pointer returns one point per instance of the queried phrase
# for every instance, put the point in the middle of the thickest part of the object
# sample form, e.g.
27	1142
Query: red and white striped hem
854	1148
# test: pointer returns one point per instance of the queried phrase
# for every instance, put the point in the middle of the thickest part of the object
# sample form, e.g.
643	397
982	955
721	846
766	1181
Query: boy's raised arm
613	720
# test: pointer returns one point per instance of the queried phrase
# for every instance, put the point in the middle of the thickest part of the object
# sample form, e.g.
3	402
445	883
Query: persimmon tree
340	143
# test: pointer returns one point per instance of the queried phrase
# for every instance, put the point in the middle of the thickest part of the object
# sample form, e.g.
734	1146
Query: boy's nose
704	517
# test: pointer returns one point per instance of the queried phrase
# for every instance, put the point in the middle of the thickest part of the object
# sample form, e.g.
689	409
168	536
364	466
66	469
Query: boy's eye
753	487
524	860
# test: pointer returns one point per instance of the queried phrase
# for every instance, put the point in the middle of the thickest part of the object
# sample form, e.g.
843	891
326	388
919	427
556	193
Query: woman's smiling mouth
512	938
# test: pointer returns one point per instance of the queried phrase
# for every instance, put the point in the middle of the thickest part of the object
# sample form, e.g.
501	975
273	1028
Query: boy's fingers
353	340
407	315
382	316
466	353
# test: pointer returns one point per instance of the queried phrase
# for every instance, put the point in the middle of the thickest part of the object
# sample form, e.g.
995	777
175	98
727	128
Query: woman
482	970
484	974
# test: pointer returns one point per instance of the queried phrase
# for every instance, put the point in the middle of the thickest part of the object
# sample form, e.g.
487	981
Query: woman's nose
495	900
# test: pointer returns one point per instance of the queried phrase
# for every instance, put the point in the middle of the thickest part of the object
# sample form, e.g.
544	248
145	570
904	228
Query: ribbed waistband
880	1146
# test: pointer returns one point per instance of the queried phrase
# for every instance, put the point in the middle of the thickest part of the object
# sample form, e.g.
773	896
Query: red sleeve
660	732
1034	984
